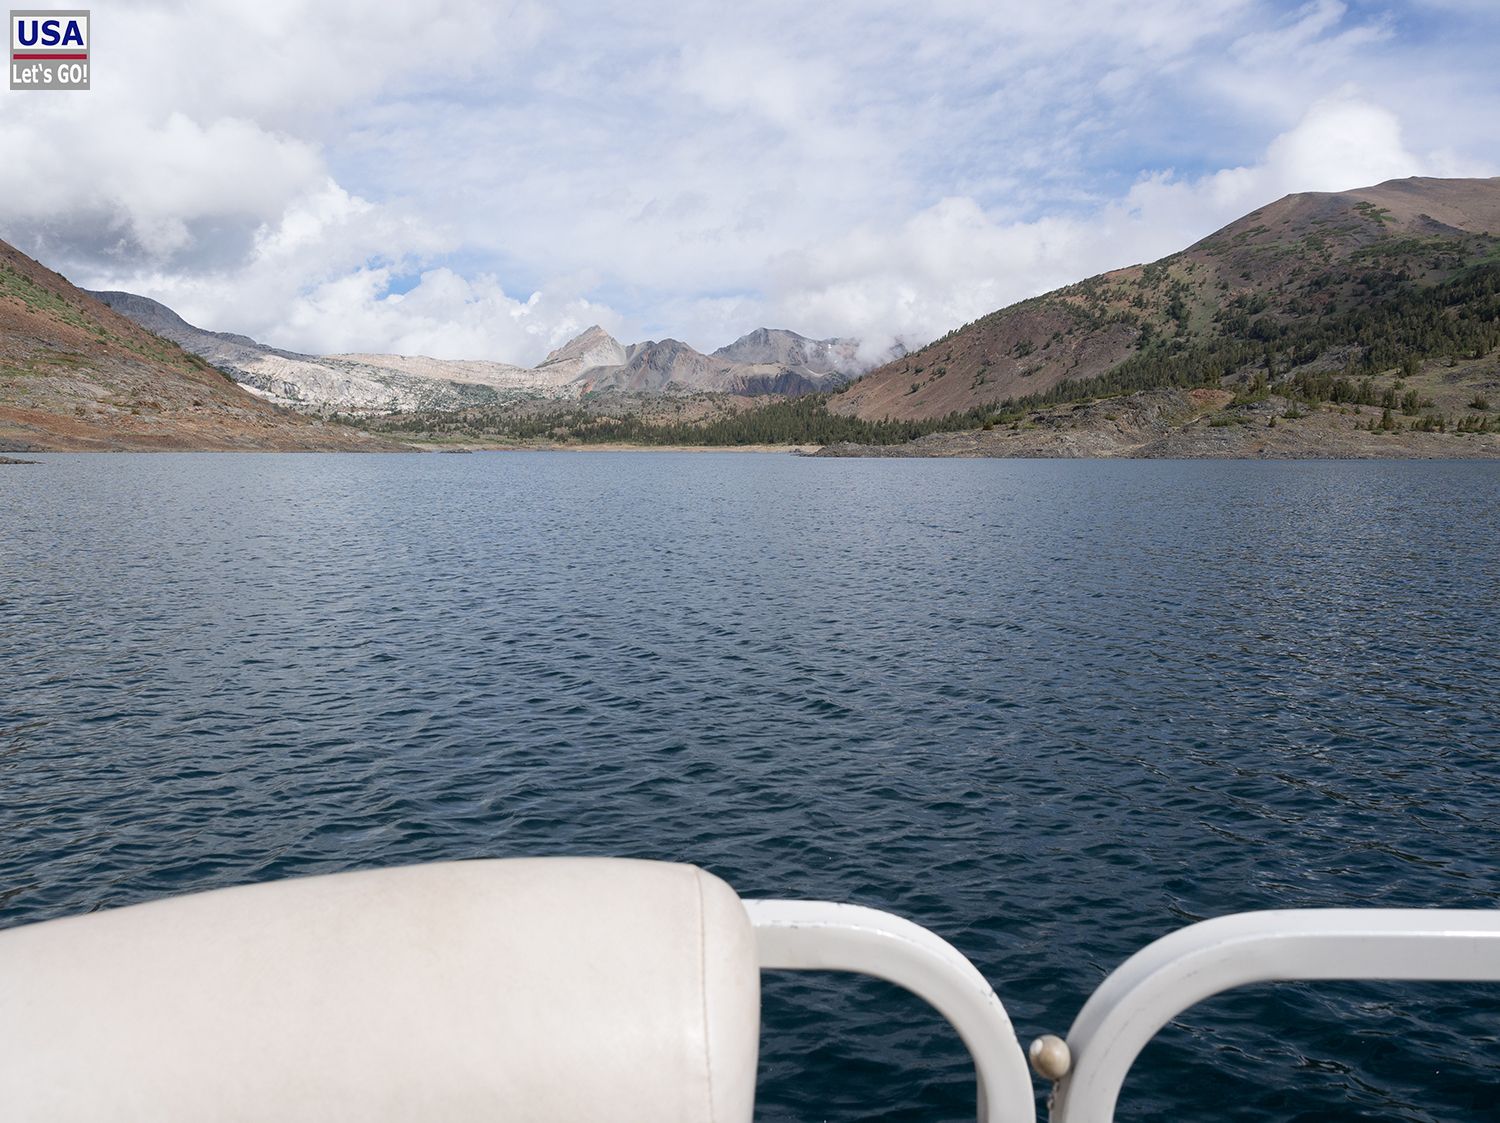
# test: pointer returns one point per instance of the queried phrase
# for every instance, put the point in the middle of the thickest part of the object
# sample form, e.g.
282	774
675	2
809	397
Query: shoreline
7	457
798	449
941	446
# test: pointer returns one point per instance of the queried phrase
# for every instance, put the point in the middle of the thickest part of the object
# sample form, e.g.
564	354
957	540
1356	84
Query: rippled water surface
1051	710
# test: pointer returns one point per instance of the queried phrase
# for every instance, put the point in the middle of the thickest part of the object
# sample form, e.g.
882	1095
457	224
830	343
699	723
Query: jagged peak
782	346
592	347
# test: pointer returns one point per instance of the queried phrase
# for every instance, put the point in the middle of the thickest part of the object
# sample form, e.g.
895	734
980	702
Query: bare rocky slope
592	349
767	361
654	367
353	383
1350	284
775	346
76	375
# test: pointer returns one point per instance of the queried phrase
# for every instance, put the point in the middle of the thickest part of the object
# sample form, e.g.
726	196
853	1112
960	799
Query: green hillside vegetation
1316	287
1307	350
802	420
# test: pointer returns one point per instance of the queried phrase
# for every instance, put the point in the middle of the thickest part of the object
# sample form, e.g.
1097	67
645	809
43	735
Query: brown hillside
1304	256
76	376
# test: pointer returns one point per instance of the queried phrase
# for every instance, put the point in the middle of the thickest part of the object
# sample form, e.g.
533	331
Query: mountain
775	346
670	364
594	347
767	361
354	383
75	375
1316	286
652	367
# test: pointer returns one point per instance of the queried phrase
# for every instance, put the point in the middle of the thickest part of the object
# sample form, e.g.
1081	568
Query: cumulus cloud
466	178
445	316
954	261
206	178
134	188
321	280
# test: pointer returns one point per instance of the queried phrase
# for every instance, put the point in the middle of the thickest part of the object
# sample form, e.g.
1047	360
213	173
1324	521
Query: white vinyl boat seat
552	989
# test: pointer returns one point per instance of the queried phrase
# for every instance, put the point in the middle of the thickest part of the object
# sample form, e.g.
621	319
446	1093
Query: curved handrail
1163	979
824	936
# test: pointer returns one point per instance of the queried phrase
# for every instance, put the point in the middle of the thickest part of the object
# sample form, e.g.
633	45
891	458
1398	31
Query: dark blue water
1051	710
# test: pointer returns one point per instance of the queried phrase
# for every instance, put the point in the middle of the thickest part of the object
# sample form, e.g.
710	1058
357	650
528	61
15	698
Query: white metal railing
823	936
1140	997
1163	979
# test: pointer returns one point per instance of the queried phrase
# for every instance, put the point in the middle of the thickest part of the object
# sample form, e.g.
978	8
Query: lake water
1051	710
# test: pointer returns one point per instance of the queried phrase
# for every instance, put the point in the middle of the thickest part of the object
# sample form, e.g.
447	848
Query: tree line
802	420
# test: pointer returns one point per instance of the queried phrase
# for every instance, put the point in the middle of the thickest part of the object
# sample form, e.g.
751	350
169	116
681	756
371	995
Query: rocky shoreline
1190	425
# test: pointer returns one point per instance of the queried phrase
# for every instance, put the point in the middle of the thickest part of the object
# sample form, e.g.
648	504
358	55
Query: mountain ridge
343	383
592	361
1245	293
777	345
76	375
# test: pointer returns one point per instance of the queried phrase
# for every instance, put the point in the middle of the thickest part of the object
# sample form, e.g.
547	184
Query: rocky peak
594	347
660	354
787	348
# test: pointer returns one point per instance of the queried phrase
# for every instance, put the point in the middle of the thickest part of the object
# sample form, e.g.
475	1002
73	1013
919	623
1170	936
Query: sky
486	179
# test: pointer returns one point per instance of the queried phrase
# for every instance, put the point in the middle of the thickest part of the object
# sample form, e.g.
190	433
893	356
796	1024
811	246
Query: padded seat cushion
532	989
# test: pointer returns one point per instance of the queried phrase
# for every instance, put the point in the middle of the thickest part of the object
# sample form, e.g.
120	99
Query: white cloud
278	168
289	63
444	316
1342	143
133	186
309	285
954	261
